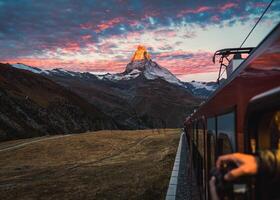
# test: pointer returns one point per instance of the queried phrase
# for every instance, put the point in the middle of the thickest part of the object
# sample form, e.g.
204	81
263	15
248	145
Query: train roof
257	51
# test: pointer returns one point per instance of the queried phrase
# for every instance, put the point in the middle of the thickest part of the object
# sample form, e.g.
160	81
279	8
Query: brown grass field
96	165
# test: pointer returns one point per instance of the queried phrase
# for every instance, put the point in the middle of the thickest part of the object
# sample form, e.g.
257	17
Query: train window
224	144
269	131
211	135
211	125
211	150
226	127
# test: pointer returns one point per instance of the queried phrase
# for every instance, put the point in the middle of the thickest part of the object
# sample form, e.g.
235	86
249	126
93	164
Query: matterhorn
142	64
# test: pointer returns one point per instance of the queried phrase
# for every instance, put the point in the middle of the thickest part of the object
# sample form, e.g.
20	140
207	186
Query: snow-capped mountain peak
141	63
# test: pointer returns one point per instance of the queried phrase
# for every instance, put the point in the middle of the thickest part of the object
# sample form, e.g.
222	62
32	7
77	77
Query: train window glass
211	125
224	144
226	126
211	150
269	131
211	132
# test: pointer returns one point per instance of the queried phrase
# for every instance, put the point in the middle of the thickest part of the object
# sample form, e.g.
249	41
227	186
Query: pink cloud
202	9
171	53
148	14
86	37
199	62
104	25
260	4
227	6
108	24
166	33
73	65
215	18
86	26
133	23
71	47
194	11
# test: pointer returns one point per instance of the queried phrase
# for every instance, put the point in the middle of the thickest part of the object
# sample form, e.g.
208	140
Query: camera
236	189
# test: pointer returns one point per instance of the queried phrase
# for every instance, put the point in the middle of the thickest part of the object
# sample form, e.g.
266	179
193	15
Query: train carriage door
262	132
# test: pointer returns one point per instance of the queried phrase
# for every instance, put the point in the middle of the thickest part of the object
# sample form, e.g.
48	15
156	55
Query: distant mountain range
145	95
150	70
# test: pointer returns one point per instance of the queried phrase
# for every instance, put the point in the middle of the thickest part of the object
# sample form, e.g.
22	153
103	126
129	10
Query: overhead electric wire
268	6
256	23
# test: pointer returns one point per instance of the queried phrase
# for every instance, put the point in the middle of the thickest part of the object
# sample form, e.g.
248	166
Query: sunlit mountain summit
141	54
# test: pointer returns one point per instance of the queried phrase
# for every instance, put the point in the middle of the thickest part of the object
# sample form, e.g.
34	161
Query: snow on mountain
63	72
151	71
56	71
207	86
28	68
121	76
201	89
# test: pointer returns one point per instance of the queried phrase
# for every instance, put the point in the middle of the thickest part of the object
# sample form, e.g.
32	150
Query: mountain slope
134	103
151	70
32	105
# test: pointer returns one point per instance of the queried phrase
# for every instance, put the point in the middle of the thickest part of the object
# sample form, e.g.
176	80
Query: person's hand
212	187
247	165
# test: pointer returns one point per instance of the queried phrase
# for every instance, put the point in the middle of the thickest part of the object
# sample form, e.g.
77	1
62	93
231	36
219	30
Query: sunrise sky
101	36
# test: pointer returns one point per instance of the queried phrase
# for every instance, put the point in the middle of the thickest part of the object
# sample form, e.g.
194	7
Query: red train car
243	115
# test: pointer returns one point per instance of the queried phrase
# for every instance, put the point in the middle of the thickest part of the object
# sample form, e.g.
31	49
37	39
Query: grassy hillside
96	165
32	105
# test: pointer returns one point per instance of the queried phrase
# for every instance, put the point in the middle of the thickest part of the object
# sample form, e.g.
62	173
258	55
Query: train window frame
259	107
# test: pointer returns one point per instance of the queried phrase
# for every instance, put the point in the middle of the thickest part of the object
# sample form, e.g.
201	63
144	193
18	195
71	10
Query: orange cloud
108	24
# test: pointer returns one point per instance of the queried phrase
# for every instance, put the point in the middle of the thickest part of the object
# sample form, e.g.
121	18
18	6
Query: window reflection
226	127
